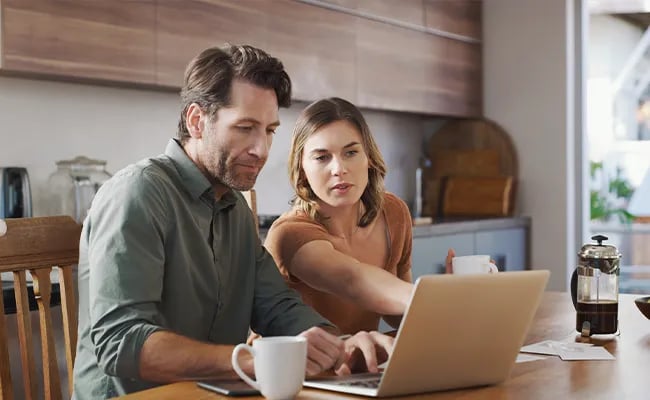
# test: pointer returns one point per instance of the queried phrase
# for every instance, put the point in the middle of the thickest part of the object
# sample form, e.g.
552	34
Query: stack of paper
569	351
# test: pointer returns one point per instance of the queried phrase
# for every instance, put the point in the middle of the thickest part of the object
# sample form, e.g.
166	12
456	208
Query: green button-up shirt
158	252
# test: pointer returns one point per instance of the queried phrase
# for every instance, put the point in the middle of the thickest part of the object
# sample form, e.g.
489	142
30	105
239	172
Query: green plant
606	205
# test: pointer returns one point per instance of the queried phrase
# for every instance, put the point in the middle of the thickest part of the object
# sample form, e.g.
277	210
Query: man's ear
195	121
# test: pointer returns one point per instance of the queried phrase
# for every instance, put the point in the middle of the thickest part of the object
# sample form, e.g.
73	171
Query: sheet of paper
528	357
552	347
585	353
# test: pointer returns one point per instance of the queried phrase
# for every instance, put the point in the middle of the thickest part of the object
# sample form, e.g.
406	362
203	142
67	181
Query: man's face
235	145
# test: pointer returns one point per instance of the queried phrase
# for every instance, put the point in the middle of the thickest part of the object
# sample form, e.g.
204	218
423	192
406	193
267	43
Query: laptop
459	331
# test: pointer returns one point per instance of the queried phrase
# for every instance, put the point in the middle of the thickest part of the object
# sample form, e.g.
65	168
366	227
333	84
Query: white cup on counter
477	264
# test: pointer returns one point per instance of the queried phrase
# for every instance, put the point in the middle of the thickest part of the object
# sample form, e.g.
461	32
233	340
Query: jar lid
600	250
80	161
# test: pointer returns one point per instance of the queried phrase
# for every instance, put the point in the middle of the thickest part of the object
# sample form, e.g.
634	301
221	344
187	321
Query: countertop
447	227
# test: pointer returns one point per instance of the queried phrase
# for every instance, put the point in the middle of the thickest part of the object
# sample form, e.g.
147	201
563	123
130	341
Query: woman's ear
195	121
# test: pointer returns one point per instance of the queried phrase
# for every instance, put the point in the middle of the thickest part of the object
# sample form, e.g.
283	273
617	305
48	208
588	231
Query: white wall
528	89
44	121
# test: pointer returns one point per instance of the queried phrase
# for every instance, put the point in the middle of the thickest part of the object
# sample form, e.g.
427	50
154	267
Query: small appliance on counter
74	184
15	193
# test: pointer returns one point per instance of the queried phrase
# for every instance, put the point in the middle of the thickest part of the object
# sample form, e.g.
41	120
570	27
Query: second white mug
478	264
280	364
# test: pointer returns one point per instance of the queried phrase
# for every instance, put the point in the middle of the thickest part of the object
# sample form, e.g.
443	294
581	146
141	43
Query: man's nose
260	146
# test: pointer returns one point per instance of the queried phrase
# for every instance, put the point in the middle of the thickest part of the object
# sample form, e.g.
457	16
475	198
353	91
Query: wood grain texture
38	244
6	387
106	40
551	378
462	17
186	27
317	47
404	70
25	335
43	292
409	11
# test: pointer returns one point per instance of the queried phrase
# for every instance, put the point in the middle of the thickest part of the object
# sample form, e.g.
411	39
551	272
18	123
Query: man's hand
323	350
364	352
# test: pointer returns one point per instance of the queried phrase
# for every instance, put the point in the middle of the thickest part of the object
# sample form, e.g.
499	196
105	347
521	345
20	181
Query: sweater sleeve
287	235
399	215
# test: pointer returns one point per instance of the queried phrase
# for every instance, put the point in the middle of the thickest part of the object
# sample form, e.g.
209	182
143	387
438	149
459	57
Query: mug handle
492	268
235	364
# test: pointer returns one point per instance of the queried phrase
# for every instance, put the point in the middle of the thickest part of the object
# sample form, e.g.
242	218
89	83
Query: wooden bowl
643	303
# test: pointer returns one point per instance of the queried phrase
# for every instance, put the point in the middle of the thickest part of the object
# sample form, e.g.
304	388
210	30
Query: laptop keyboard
367	383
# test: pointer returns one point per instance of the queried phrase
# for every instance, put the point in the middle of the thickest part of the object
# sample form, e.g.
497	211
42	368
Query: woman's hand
364	352
449	269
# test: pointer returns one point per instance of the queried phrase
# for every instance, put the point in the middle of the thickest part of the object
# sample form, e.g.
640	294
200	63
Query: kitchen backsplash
47	121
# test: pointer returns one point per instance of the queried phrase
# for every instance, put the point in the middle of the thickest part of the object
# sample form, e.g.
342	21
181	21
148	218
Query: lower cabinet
507	247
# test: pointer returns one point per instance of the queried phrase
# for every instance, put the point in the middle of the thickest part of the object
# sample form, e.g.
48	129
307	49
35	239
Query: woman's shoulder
395	205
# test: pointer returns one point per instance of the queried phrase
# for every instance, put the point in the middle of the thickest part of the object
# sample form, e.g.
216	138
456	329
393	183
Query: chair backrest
251	199
37	245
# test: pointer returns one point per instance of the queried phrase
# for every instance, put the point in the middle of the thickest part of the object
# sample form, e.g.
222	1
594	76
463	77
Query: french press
594	288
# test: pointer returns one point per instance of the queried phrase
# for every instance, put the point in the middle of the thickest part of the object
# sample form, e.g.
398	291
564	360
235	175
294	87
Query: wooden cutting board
457	138
467	148
477	196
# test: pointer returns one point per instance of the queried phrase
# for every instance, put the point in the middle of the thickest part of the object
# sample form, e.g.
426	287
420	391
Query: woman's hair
209	77
314	117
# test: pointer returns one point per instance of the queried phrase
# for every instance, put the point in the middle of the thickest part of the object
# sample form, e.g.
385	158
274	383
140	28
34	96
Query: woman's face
335	164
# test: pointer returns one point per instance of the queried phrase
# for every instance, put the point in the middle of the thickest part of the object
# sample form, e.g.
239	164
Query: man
171	271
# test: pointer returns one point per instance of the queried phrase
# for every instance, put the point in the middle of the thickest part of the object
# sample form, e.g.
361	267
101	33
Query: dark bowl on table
643	303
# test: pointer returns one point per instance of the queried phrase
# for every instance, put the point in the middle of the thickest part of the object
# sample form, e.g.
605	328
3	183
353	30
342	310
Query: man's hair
209	77
313	118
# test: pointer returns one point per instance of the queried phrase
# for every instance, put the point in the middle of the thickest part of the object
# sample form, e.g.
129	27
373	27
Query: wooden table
626	378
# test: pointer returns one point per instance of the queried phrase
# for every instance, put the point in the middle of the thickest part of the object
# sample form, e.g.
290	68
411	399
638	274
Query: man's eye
270	131
245	128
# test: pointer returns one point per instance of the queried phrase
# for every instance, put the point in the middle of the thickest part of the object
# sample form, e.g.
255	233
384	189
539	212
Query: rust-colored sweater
294	229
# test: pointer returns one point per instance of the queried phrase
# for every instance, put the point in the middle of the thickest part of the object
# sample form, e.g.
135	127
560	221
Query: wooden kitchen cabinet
185	27
101	40
317	48
406	70
461	17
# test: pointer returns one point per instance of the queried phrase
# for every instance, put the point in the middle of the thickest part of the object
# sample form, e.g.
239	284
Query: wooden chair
251	199
37	245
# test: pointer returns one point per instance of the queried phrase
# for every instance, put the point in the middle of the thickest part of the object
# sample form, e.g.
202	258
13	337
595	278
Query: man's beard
223	172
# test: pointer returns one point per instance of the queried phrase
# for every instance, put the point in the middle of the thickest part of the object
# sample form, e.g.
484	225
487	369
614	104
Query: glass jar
74	184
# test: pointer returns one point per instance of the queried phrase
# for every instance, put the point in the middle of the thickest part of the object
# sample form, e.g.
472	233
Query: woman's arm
321	266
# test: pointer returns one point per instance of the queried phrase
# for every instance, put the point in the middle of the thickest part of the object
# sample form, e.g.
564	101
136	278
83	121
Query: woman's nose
338	166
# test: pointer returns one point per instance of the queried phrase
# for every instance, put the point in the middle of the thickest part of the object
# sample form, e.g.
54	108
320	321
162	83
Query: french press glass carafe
594	288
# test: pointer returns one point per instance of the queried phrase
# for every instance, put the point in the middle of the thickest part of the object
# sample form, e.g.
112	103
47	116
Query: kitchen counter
447	227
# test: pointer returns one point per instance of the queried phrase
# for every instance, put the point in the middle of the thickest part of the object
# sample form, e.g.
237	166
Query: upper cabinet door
406	70
97	40
186	27
317	47
461	17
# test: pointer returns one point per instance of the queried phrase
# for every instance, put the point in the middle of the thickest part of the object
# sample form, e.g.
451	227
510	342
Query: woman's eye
322	158
351	153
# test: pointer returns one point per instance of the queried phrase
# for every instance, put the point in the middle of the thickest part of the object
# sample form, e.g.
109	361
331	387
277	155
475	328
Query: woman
346	243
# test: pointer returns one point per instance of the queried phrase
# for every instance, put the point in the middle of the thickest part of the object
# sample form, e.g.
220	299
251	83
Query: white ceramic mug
479	264
279	362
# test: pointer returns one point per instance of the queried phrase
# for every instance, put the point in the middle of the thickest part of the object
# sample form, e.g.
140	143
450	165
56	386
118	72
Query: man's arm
168	357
